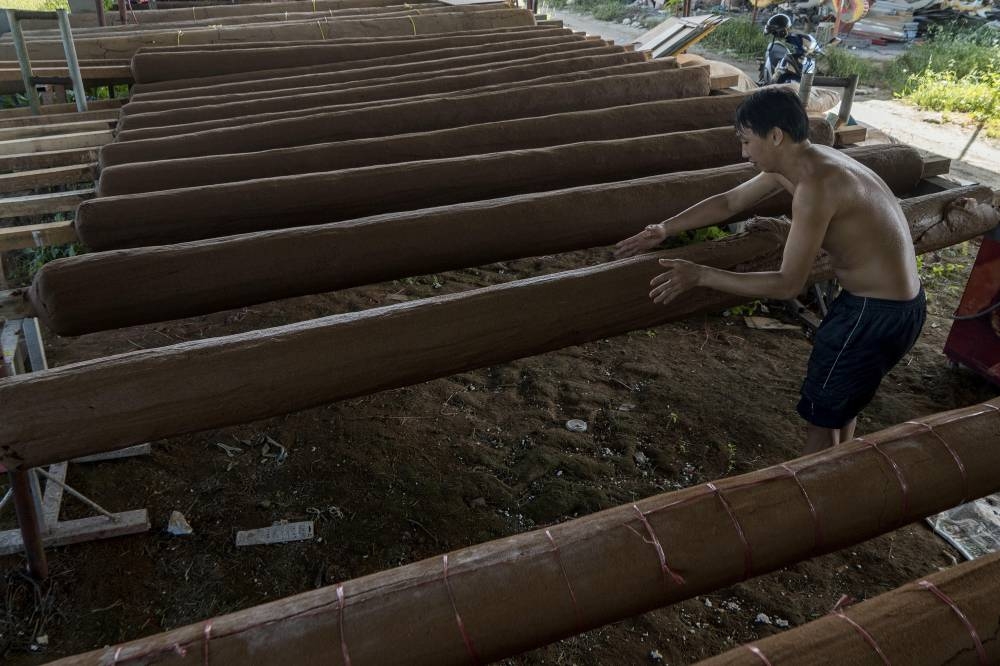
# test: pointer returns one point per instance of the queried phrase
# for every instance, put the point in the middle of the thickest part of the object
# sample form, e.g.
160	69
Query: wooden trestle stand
38	512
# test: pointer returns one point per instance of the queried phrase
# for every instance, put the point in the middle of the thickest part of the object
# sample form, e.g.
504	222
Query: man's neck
793	163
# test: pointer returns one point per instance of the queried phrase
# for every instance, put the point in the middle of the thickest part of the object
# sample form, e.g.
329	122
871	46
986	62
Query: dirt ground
411	473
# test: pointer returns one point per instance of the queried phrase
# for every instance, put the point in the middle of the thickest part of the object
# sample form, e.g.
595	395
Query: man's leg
819	438
847	432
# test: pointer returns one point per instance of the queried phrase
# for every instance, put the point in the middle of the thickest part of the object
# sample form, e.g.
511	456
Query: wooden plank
47	109
63	175
58	142
89	72
52	500
60	118
41	204
128	452
84	529
37	235
52	129
935	165
54	158
723	82
850	134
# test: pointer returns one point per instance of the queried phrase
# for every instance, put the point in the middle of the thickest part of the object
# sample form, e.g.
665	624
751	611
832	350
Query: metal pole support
79	93
23	61
805	86
26	503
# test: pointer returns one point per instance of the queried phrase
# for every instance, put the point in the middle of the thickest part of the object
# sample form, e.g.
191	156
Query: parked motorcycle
789	55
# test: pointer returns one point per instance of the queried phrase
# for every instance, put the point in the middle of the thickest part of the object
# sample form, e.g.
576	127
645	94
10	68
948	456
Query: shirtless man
840	206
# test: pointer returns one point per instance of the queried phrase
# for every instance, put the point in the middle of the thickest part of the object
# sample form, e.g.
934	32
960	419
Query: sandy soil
407	474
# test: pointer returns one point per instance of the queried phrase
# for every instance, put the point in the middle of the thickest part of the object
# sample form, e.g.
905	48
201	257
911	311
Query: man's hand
679	277
648	238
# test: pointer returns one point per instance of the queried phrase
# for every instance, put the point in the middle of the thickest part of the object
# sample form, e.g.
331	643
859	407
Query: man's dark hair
771	107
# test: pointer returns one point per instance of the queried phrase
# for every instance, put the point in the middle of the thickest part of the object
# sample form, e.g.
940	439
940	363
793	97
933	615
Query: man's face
756	149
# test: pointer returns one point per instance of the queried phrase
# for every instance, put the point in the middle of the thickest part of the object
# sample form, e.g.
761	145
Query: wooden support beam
147	395
37	131
37	235
110	115
19	181
114	289
42	204
55	158
48	109
919	623
82	529
493	600
45	144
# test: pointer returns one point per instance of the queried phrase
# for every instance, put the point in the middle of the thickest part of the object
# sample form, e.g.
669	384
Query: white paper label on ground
276	534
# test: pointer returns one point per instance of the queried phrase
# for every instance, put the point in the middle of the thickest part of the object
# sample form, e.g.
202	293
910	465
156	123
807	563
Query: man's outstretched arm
711	211
810	218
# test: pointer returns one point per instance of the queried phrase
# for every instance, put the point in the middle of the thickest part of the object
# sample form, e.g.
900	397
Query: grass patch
836	61
957	50
602	10
956	70
740	38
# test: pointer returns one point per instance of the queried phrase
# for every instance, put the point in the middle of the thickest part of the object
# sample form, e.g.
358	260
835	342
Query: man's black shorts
859	341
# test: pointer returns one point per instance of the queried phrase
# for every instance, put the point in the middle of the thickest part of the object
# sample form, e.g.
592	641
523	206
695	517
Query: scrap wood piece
957	614
769	324
112	289
530	589
151	394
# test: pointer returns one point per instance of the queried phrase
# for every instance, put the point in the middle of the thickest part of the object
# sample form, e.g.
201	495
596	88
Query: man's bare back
867	238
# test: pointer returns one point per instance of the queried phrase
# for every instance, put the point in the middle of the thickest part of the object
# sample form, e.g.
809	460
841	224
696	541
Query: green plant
745	310
28	262
695	236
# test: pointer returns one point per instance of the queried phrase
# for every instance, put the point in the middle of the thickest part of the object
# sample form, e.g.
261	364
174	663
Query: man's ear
776	135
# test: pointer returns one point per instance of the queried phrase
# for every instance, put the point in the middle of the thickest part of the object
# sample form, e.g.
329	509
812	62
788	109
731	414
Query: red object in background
975	342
